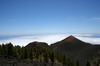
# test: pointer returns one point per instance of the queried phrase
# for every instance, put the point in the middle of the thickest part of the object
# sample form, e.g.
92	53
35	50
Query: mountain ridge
70	48
76	49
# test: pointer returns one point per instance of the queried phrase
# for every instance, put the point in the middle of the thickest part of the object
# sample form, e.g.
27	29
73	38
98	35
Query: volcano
37	44
76	49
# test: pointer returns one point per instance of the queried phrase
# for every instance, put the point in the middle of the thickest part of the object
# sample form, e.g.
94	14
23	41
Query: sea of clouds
51	38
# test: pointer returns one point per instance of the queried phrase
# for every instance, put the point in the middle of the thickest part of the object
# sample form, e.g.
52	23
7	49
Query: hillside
34	54
77	49
12	61
68	52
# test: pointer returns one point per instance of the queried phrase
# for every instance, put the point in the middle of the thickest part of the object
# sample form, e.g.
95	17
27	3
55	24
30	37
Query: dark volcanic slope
37	44
76	49
70	45
70	41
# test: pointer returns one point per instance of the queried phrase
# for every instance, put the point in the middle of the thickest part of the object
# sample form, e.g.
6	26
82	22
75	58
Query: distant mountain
61	53
77	49
37	44
70	45
72	39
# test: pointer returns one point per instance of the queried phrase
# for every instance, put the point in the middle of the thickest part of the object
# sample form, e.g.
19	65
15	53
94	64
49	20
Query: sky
25	21
49	16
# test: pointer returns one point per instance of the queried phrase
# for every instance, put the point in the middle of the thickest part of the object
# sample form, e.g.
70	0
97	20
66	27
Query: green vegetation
40	54
96	62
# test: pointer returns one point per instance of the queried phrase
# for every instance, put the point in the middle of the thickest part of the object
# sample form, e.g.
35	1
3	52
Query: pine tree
88	63
4	50
10	49
30	53
0	50
46	59
52	57
17	51
77	63
64	60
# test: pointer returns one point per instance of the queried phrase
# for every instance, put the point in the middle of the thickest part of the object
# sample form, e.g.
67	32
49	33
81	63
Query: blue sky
49	16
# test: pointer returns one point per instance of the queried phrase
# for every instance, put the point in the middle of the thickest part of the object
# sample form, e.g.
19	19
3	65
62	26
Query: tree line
40	54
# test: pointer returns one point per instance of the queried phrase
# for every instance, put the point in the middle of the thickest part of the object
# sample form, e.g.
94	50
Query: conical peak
71	39
71	36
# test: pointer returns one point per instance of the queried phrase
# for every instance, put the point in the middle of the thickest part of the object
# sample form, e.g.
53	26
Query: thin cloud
96	18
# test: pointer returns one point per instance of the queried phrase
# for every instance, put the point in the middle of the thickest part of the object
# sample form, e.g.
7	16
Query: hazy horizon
20	18
23	40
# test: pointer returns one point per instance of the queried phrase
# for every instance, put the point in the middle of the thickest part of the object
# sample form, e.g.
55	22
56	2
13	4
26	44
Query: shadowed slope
76	49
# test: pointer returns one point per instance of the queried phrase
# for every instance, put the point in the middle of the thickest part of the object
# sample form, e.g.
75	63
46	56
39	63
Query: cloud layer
22	41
